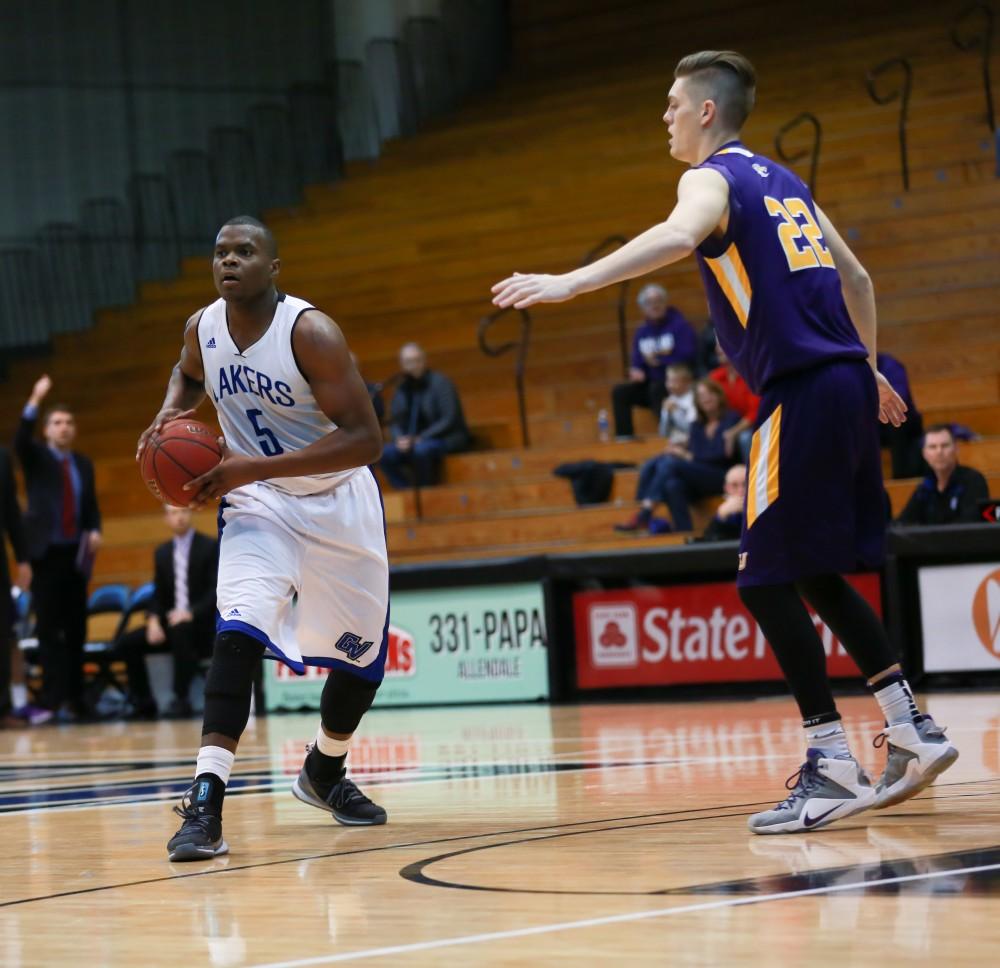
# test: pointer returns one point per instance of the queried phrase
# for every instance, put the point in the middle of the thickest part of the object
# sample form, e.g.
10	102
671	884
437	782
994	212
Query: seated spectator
727	523
426	422
741	401
182	616
678	411
902	442
664	337
951	493
687	472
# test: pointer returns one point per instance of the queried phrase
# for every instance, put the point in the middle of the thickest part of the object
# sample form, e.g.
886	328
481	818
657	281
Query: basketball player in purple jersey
795	312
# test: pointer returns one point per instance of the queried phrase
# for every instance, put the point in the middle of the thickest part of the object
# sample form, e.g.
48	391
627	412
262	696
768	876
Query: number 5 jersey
265	405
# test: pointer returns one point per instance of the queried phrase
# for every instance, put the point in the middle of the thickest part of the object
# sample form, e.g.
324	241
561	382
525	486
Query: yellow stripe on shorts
762	480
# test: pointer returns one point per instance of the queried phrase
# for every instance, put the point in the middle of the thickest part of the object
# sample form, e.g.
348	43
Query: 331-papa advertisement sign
684	634
449	645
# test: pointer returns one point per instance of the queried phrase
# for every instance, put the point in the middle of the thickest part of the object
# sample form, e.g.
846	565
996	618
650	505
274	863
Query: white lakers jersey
264	403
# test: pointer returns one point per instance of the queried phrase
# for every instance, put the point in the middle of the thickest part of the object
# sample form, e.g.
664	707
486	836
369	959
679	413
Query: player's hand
522	290
40	390
891	408
234	470
163	417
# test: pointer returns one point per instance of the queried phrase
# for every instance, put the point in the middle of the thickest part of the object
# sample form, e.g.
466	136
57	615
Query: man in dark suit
63	530
11	526
183	612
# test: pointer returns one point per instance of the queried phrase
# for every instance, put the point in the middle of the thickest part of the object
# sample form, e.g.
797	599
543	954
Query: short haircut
939	428
256	223
58	408
725	77
716	388
650	289
683	368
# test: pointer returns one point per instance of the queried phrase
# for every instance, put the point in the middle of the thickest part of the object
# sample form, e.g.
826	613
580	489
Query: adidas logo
210	345
232	612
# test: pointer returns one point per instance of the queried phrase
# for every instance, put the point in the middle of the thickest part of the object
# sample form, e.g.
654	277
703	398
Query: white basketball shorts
307	575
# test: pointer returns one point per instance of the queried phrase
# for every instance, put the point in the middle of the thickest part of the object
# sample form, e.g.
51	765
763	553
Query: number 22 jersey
773	290
265	405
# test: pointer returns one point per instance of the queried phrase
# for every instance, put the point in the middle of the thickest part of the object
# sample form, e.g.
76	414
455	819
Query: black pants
625	396
59	592
188	645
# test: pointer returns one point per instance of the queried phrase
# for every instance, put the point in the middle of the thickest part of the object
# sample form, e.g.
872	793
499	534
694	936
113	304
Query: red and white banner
682	634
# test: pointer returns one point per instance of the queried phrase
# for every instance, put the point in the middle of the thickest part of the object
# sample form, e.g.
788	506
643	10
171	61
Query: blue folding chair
105	600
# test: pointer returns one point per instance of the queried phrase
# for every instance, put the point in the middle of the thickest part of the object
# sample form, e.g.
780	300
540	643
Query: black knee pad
229	685
346	698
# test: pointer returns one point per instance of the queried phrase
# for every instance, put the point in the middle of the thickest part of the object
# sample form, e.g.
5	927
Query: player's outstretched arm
185	388
322	354
859	297
702	204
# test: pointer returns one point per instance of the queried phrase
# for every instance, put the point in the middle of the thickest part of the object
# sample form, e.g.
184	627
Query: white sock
216	760
18	694
329	746
829	738
896	701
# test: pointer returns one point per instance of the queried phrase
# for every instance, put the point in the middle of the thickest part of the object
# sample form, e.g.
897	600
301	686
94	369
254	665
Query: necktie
68	501
180	577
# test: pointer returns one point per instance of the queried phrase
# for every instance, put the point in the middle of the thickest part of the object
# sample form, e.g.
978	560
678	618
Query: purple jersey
773	290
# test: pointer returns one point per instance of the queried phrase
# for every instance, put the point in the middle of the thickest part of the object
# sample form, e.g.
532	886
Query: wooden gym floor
518	835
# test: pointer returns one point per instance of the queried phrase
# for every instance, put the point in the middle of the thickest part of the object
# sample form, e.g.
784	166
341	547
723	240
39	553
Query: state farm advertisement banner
684	634
960	617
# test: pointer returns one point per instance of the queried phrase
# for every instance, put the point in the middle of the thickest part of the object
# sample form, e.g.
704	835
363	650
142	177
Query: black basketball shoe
342	798
200	836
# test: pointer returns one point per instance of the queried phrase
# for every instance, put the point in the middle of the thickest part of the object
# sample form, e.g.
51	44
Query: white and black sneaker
200	836
342	799
919	752
825	789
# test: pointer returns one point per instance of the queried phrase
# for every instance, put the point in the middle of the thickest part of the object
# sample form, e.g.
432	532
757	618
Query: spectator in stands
951	493
63	526
727	523
741	401
182	615
12	526
903	442
374	394
664	337
687	472
678	411
426	422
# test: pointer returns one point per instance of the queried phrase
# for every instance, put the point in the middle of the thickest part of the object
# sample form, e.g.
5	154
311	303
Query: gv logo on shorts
352	645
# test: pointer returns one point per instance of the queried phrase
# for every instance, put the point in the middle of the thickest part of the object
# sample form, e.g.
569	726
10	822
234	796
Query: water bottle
603	429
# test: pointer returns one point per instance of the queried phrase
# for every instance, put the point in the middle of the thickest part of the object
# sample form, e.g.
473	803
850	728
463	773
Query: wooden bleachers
569	151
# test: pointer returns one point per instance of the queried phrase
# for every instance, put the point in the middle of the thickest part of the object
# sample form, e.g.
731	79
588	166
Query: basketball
180	452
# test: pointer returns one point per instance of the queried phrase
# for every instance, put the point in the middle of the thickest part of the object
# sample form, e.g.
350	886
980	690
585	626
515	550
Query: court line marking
552	928
683	816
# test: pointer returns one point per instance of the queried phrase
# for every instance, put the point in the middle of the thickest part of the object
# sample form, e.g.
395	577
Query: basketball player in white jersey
303	573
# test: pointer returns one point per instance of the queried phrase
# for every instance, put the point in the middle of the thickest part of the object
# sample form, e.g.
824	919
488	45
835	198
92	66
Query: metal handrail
521	345
615	242
982	41
806	117
903	94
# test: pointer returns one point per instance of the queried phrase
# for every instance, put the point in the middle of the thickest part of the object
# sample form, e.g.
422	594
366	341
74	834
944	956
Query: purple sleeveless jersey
773	290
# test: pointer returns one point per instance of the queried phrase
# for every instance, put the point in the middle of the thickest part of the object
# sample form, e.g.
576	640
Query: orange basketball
180	452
